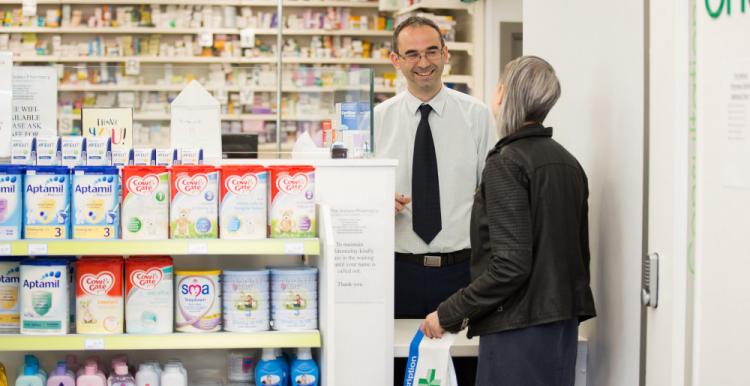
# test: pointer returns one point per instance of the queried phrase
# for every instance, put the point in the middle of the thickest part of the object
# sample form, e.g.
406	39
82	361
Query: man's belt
435	260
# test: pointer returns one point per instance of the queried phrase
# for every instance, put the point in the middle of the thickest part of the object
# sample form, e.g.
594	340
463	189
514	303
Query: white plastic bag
429	362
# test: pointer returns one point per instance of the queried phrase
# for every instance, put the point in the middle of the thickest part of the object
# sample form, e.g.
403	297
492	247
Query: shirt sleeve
508	214
487	138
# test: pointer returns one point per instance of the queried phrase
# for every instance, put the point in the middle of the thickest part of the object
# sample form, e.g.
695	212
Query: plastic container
11	202
147	375
91	376
9	286
246	298
96	202
304	370
61	376
294	298
47	202
3	376
174	375
198	301
30	376
241	366
44	296
270	370
122	377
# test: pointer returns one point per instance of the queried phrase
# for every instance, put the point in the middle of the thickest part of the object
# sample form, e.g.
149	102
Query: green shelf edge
309	246
175	341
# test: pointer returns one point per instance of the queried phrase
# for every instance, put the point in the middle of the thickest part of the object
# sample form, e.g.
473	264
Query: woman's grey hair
531	89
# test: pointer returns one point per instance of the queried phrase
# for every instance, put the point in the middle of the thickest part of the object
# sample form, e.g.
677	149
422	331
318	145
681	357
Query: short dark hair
416	21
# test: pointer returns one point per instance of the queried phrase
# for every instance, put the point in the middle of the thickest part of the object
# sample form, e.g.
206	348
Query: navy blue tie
425	187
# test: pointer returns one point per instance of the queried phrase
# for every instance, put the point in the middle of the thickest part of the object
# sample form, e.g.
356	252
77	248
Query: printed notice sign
736	131
34	101
6	102
115	122
359	239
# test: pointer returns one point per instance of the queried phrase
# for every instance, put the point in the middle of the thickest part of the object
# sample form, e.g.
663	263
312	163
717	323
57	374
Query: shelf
434	4
224	117
190	31
176	341
464	79
243	3
195	60
461	46
160	247
178	88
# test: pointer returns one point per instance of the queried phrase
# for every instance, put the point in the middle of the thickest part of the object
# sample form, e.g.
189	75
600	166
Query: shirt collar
437	102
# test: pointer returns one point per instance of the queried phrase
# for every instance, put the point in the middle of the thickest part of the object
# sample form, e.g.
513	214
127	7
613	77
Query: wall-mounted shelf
195	60
160	247
178	88
434	4
190	31
175	341
239	3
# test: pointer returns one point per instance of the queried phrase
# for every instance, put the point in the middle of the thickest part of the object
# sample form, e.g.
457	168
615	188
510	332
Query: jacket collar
530	130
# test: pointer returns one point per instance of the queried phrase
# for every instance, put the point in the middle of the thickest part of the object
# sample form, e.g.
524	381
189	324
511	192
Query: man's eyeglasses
432	54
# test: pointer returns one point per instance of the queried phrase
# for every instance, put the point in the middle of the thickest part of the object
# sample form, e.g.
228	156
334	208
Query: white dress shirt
463	131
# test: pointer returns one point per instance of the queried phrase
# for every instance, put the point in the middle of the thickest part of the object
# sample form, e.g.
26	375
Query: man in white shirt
440	138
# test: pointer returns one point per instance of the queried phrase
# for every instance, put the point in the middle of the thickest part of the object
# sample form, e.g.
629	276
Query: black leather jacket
529	240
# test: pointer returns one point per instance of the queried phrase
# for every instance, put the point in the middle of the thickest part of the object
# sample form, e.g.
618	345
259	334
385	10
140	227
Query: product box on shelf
198	301
98	151
149	295
96	202
9	284
292	207
246	298
166	157
47	202
99	295
244	202
122	157
144	156
190	156
11	202
145	203
194	210
72	151
23	151
48	151
44	296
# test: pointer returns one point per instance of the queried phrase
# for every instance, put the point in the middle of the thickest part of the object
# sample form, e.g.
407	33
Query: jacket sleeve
508	214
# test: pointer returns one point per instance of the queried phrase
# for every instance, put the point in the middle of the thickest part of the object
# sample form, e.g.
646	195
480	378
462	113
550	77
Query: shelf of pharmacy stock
309	246
239	3
175	341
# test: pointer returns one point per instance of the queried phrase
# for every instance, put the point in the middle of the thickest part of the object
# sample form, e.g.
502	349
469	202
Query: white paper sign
196	122
197	248
359	239
294	248
37	249
247	38
113	122
736	130
5	250
28	8
206	39
34	101
133	67
93	344
6	102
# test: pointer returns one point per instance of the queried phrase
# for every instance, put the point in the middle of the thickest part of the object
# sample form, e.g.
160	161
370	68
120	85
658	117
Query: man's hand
431	326
401	202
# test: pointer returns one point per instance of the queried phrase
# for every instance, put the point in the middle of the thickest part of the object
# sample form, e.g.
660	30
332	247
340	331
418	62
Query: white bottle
146	375
173	375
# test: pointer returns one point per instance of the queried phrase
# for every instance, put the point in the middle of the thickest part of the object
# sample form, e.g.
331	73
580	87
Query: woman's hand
431	326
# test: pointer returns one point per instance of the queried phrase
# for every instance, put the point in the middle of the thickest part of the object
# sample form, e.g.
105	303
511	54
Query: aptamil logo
55	185
146	280
143	186
195	289
88	189
715	8
98	285
7	279
191	185
8	184
49	280
241	184
292	184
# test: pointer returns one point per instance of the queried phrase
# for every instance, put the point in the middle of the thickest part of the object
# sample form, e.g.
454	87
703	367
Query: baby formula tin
9	283
198	297
243	210
99	300
246	301
145	203
47	202
96	202
292	209
44	296
11	202
194	212
294	298
149	295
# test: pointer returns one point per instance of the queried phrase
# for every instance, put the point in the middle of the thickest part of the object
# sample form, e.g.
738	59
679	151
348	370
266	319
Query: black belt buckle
434	261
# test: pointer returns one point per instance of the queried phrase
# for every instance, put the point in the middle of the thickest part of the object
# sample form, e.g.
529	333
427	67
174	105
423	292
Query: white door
668	190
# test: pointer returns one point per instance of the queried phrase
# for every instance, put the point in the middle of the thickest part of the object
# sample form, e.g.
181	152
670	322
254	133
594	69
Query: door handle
650	280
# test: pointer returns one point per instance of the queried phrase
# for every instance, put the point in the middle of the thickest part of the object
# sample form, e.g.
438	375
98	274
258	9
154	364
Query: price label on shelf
247	96
247	38
28	8
294	248
37	249
5	250
197	248
206	39
133	67
93	344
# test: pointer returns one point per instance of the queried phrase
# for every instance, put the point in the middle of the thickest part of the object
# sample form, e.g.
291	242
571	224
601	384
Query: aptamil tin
44	296
149	307
198	298
11	202
294	298
243	207
96	202
99	298
246	301
9	283
47	202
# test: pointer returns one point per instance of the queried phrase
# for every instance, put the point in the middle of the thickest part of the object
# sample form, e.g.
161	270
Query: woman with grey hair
530	245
